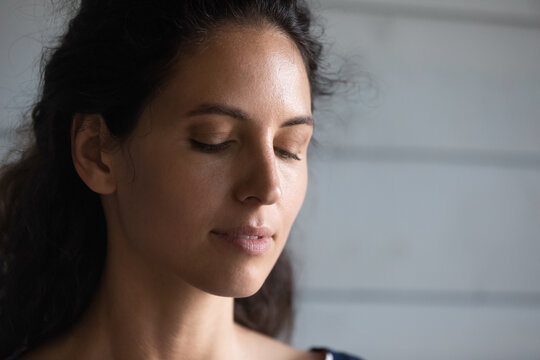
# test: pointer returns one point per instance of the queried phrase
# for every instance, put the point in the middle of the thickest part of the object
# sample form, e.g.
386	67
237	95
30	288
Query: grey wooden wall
420	234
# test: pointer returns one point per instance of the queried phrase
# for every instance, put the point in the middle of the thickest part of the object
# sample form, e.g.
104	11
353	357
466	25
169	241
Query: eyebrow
219	109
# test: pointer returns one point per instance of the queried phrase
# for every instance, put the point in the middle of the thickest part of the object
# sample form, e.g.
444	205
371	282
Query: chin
236	284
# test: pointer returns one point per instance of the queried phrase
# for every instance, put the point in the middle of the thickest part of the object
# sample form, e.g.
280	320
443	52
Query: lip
252	240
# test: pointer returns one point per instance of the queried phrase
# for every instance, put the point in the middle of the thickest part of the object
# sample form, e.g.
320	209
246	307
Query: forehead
258	69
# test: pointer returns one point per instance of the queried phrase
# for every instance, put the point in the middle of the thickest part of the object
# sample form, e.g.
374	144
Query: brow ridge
238	114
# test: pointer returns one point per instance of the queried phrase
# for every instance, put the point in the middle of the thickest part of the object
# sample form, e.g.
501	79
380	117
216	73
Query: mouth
248	239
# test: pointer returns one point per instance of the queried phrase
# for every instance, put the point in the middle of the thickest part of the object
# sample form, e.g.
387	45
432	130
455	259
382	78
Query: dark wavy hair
111	60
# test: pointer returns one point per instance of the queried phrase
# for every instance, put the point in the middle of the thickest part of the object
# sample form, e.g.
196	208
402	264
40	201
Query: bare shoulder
263	347
54	349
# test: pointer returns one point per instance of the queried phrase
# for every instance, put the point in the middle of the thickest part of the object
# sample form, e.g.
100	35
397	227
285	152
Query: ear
89	137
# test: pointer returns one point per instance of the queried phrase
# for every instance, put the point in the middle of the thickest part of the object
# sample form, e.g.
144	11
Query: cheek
168	203
294	188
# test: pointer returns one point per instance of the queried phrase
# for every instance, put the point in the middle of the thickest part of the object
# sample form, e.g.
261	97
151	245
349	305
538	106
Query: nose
260	181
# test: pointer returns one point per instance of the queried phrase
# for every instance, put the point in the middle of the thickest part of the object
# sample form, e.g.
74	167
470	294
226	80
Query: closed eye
215	148
284	154
209	148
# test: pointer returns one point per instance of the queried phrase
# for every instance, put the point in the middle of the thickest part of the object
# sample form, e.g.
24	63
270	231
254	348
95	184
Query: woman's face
215	172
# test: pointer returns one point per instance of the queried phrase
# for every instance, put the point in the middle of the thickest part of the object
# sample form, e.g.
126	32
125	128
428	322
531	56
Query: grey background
420	234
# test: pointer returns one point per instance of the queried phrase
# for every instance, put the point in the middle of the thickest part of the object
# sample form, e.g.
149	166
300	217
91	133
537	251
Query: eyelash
215	148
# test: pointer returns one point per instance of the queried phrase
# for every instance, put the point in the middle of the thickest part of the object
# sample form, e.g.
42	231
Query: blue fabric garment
336	355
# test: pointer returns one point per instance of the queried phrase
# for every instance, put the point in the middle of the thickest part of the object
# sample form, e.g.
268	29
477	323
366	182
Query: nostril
266	197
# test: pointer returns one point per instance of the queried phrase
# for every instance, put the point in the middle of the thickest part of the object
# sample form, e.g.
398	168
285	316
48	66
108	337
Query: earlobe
89	134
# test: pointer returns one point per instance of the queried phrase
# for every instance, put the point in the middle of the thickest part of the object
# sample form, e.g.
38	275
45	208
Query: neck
140	313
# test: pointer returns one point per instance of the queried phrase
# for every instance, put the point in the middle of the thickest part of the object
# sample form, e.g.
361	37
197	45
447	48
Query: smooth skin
169	283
